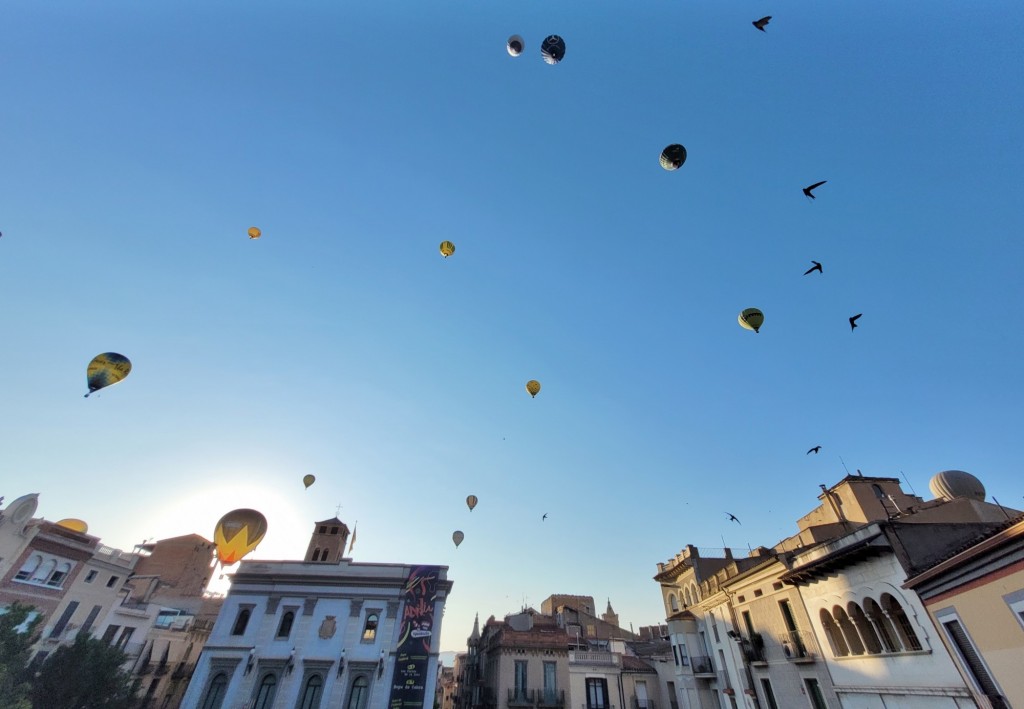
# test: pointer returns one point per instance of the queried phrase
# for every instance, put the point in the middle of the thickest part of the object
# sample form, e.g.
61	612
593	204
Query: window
641	695
834	635
865	628
748	624
904	628
814	694
1015	601
597	693
311	693
27	569
358	693
215	692
550	685
126	635
285	628
769	695
241	621
673	604
686	597
683	658
969	657
714	627
64	618
322	530
109	633
265	692
675	654
849	632
43	572
334	530
520	679
883	626
111	581
370	629
57	577
90	619
91	575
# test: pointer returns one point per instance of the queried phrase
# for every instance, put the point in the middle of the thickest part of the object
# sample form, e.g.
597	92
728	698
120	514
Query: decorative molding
355	609
308	605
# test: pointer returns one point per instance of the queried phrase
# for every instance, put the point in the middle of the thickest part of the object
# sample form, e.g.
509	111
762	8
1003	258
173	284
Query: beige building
975	599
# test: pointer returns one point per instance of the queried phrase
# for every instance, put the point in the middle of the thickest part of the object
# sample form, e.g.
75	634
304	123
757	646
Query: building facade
328	632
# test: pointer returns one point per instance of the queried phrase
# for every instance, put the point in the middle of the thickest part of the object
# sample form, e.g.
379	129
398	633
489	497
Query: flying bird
760	24
853	321
733	518
815	267
816	185
543	516
814	450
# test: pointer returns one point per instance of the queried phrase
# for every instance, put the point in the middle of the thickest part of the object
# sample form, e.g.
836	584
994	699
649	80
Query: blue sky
138	143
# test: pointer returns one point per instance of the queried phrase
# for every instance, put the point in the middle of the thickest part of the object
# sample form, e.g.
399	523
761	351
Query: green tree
17	633
84	675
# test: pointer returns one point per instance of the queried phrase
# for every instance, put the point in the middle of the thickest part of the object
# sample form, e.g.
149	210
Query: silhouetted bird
733	518
814	450
816	185
853	321
543	516
760	24
815	267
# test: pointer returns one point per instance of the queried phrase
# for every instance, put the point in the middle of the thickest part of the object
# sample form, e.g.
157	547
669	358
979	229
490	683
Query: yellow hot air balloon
751	319
447	248
106	369
457	537
308	480
238	533
254	232
471	502
533	386
73	524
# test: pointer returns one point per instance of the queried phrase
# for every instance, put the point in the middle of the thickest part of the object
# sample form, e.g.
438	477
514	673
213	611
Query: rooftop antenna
909	485
844	465
1005	513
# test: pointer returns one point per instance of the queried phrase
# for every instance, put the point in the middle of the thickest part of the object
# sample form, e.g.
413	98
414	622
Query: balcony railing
799	646
701	665
551	698
753	649
521	697
637	703
578	657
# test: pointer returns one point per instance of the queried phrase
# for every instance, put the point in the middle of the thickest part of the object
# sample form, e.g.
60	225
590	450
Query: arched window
215	692
696	596
310	697
673	604
370	629
57	577
686	597
28	568
864	627
358	693
44	570
848	631
886	632
266	692
834	635
316	554
241	622
904	627
285	628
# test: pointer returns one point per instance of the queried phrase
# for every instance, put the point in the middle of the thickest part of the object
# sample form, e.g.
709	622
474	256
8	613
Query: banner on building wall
412	658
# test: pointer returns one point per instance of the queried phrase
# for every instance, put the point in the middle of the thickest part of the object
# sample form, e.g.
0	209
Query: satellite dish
21	510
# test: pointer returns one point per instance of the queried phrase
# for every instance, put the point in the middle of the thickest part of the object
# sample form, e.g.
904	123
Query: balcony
799	646
551	698
753	649
636	703
578	657
702	666
521	697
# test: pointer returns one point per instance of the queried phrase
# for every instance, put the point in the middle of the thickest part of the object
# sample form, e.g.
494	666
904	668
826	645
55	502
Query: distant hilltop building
324	632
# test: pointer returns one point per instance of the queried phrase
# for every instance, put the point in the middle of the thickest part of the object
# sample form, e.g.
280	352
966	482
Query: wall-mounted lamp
252	657
341	662
380	664
291	663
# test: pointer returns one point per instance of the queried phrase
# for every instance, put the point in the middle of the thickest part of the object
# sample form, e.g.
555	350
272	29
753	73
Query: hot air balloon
515	45
238	533
308	480
106	369
533	386
457	537
673	157
447	248
254	232
74	524
751	319
471	502
552	49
